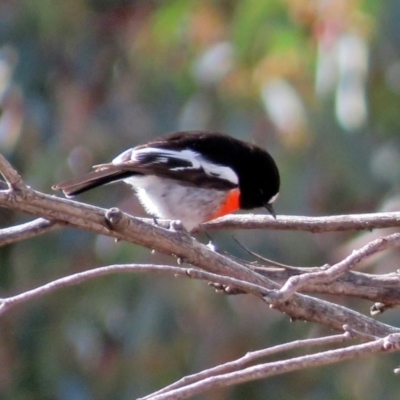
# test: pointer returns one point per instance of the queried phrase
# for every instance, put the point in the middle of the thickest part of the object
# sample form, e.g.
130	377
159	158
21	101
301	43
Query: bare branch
26	231
182	245
81	277
337	223
377	288
330	273
324	224
250	357
250	221
11	176
388	344
169	238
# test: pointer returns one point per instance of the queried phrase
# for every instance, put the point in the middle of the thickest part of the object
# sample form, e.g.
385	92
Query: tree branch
81	277
330	273
222	379
11	176
171	241
260	281
27	231
376	288
248	358
337	223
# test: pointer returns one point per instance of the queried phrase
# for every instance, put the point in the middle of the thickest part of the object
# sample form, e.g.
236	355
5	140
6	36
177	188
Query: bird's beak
271	210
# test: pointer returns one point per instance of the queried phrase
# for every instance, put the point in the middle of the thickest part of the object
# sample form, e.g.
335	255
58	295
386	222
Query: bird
191	176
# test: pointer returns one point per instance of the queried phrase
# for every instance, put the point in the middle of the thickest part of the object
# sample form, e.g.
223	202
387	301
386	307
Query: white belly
164	198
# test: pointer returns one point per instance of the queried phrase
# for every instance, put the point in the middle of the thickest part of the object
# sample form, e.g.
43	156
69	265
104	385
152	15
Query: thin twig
248	358
81	277
336	223
331	273
376	288
11	176
25	231
388	344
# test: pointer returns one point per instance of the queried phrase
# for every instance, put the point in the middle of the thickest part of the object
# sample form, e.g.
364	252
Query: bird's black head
259	180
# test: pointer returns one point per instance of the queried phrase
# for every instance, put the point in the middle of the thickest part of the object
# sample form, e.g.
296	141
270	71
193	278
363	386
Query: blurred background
315	82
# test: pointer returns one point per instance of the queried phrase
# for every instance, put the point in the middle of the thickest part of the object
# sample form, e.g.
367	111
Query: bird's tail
92	180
